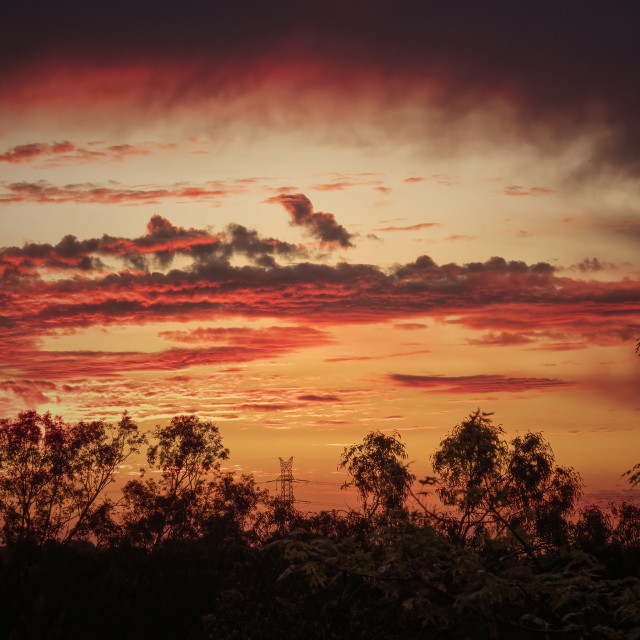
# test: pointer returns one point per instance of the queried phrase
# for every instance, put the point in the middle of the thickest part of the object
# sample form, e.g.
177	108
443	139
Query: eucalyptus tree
185	457
497	487
53	475
378	471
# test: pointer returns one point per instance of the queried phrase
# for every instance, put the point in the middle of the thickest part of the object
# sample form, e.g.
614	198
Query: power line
253	459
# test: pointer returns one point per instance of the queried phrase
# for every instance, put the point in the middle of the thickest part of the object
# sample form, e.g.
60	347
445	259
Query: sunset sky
308	220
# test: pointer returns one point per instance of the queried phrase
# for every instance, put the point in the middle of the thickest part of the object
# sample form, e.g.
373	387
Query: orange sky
306	228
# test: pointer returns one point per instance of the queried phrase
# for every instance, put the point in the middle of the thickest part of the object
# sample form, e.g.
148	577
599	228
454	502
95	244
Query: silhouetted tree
497	487
378	472
469	462
207	558
634	475
237	509
626	531
186	455
593	528
53	475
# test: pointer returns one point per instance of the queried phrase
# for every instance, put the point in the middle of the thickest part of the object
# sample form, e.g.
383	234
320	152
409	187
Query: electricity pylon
286	481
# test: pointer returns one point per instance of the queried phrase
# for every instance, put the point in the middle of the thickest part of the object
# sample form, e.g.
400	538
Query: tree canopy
497	487
192	551
378	471
53	475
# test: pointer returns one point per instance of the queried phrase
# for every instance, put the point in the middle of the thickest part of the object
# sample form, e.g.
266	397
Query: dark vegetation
188	551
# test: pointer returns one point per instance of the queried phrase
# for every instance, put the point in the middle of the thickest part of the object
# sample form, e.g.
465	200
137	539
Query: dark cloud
320	225
158	247
591	264
256	406
628	227
556	71
310	397
528	299
426	269
249	243
515	302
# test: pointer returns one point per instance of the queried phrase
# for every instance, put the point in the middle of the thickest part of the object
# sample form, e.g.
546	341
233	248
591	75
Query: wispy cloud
214	346
43	192
377	357
410	326
48	155
413	227
517	190
477	383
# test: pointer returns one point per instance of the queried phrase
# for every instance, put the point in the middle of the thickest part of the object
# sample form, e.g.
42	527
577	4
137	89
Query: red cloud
64	153
233	345
45	193
545	340
503	339
28	152
29	391
557	327
492	295
334	186
477	384
458	236
271	339
497	296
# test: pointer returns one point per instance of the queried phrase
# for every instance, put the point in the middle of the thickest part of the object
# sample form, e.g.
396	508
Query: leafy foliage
499	488
634	475
378	472
53	475
197	553
186	454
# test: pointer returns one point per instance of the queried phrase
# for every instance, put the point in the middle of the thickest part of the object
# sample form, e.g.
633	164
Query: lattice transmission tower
286	481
